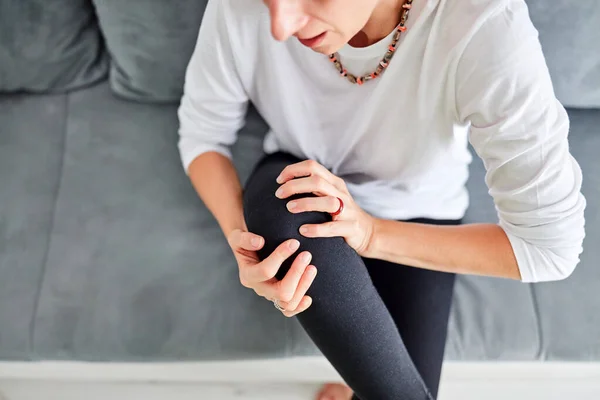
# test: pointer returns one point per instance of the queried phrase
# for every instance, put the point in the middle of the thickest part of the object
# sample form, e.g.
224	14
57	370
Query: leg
348	321
419	301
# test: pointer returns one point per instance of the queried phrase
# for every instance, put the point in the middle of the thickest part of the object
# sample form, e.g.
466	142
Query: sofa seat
107	254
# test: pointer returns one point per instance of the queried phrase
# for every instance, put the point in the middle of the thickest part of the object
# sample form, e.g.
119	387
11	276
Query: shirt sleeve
214	102
520	131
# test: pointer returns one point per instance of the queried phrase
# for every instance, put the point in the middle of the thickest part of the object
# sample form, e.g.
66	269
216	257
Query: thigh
419	301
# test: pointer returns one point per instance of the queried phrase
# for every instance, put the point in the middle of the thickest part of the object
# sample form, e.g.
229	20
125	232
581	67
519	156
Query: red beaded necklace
335	58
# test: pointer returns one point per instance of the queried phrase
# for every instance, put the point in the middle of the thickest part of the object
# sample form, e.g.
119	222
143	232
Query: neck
384	19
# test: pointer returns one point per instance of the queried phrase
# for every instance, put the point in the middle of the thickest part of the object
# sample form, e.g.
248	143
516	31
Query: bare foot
335	391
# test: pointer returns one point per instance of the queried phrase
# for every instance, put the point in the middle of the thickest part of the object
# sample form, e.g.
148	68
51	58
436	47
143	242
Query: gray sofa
107	254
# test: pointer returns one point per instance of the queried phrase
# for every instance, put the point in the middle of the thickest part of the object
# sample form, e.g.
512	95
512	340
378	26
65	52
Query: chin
328	48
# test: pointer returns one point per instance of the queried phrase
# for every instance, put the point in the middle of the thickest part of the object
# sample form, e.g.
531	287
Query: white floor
94	391
281	380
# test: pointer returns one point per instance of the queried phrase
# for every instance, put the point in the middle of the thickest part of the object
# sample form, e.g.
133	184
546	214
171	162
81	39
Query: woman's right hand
258	275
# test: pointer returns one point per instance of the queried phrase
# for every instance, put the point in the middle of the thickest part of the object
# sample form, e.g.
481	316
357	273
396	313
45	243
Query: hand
353	224
260	275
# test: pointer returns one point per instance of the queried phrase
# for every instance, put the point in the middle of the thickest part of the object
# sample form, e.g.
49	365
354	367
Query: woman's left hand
353	224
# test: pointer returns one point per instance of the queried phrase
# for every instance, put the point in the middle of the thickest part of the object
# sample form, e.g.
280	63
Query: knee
271	219
267	216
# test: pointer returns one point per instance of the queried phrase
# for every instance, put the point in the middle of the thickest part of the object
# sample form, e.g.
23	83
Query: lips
314	41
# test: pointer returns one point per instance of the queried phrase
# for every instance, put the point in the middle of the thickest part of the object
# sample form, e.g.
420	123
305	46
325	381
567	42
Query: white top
464	71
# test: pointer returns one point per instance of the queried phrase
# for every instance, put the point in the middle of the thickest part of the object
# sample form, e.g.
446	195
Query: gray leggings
381	325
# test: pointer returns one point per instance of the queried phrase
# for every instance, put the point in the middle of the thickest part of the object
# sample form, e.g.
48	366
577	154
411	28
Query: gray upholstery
497	319
570	310
106	253
31	147
137	263
151	42
49	46
571	42
137	269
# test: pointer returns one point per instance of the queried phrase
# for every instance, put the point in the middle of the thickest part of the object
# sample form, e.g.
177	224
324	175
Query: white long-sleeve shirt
465	70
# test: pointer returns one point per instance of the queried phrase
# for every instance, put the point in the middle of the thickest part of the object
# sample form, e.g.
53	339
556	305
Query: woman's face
323	25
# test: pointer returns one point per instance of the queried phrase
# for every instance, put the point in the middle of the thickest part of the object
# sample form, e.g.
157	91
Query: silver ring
277	306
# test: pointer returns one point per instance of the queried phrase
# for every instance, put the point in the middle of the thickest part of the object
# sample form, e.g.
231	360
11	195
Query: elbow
547	265
540	261
564	268
549	250
557	264
564	256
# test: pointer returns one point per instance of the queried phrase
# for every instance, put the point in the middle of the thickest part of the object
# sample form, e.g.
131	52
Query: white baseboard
154	391
520	381
289	379
297	370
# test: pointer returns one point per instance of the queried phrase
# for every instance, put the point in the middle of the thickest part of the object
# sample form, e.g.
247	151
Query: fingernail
312	271
294	244
255	242
303	229
279	192
279	179
291	205
306	257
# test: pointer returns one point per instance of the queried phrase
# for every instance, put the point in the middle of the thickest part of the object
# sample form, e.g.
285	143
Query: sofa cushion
138	268
31	143
570	39
151	42
49	46
481	326
568	310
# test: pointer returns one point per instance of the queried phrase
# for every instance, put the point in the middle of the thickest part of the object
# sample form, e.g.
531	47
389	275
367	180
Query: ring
277	306
339	211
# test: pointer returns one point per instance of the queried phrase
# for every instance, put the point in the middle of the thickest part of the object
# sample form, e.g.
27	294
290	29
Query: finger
303	306
328	204
234	238
306	168
267	269
328	229
297	170
250	241
286	288
307	279
312	184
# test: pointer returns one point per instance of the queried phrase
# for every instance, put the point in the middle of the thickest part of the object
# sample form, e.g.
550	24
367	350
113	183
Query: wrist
229	228
372	247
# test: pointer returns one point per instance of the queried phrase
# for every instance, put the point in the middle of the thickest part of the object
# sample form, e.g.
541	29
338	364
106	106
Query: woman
371	104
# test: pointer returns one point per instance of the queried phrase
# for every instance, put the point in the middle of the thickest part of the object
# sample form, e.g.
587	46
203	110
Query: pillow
151	42
49	46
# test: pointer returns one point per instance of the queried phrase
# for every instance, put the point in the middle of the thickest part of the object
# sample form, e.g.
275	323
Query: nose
287	18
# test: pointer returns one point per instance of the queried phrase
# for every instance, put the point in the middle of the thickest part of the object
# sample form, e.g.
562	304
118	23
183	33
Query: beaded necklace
335	58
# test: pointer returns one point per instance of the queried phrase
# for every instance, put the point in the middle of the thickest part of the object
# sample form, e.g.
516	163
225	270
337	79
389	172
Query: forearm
474	249
215	179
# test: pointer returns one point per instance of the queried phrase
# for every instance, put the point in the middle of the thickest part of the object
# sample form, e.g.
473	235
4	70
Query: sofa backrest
570	37
49	46
151	42
56	46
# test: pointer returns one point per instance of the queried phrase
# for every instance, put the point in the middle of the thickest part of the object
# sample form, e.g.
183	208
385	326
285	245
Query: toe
335	391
